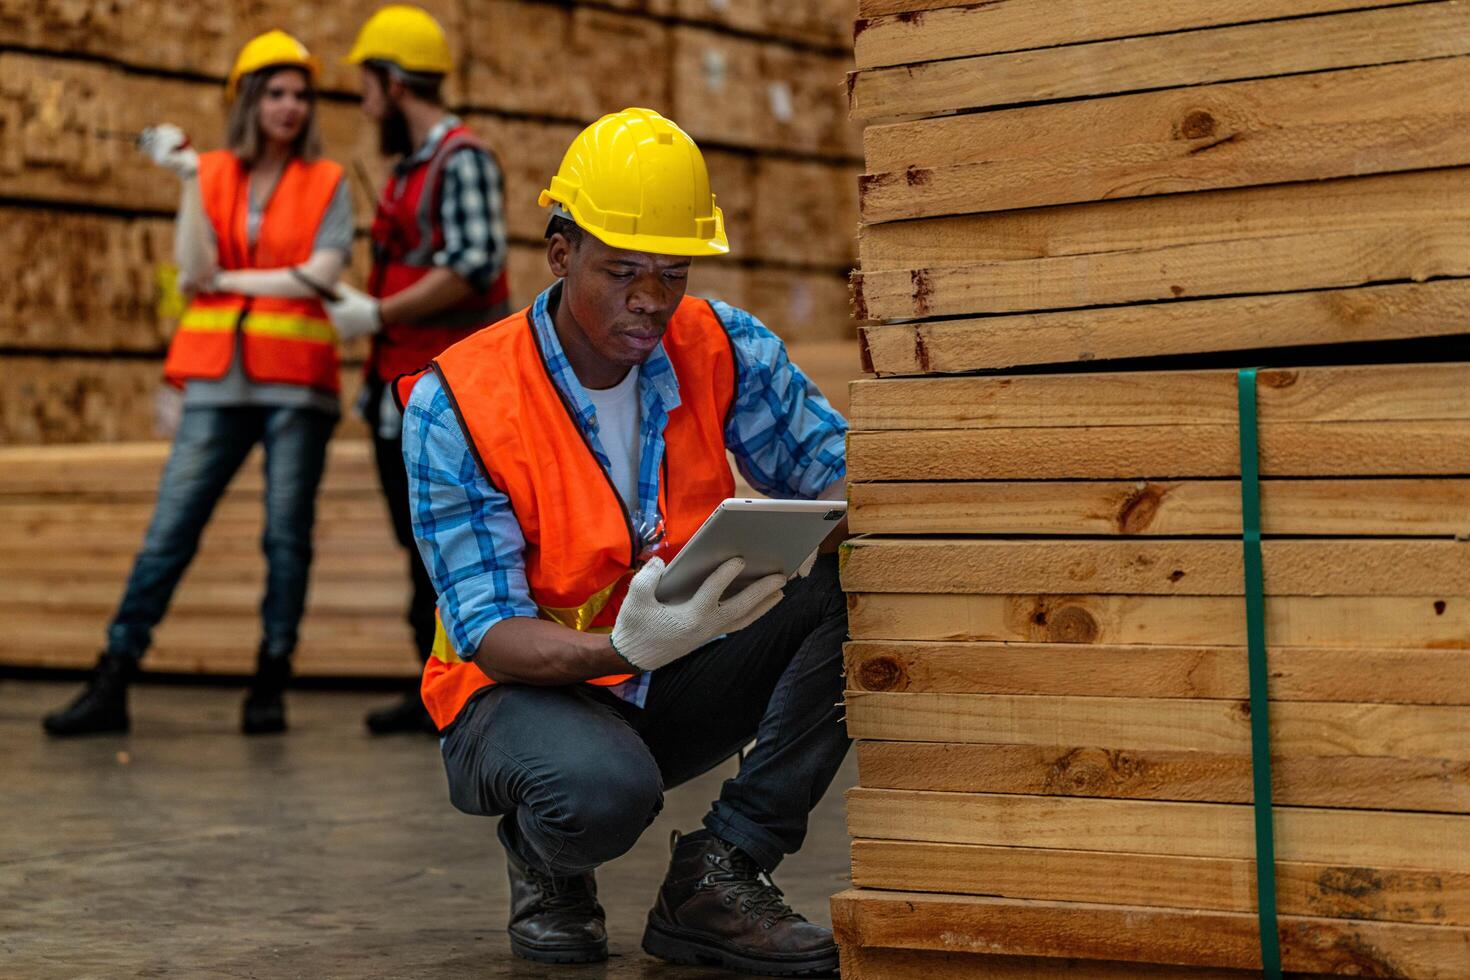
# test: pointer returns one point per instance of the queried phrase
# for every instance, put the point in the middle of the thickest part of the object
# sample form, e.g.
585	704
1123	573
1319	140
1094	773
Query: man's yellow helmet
270	50
408	37
635	180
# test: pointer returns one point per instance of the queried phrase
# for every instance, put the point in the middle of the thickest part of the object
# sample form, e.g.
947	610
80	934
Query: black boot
408	715
103	704
717	906
265	709
554	919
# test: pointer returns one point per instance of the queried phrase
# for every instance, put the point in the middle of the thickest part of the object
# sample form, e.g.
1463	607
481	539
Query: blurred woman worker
264	230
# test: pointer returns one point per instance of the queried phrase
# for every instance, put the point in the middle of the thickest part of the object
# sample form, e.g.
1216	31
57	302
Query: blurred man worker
438	263
264	228
556	461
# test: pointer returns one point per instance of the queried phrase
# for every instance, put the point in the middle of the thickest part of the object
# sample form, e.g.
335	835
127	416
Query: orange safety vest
580	546
287	341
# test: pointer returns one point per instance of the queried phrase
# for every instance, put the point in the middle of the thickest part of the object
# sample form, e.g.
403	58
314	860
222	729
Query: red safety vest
283	341
580	547
406	234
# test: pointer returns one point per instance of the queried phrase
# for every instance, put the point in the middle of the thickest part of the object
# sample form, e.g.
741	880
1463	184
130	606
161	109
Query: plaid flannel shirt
786	438
471	208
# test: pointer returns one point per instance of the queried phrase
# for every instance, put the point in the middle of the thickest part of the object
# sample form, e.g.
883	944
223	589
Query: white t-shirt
619	413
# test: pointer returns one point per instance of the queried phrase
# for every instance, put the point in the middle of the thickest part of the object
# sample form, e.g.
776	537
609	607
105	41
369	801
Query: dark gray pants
579	774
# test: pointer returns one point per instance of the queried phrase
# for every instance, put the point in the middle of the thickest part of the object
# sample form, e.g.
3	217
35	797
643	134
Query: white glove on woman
355	314
649	633
168	147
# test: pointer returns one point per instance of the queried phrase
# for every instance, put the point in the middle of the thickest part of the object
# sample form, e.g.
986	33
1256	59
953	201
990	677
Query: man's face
374	99
621	299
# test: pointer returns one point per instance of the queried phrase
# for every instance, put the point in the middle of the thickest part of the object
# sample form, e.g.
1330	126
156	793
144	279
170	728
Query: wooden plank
1326	259
565	61
1260	50
1419	841
1236	134
896	32
1426	623
1155	566
98	298
734	91
1157	225
909	920
155	35
1299	729
1297	673
1370	393
332	645
1246	240
1329	316
94	399
44	472
800	305
1223	884
1435	785
871	963
1182	507
805	213
1146	452
61	118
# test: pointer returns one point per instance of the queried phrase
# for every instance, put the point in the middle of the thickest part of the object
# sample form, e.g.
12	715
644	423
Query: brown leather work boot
554	919
717	906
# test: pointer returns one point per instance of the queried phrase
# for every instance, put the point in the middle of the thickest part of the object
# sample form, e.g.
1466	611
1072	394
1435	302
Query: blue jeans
210	445
579	774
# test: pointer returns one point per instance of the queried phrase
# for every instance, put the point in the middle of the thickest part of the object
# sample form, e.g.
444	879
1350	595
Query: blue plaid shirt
787	440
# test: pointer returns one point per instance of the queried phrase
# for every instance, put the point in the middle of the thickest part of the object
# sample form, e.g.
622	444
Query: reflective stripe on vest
579	551
282	340
407	232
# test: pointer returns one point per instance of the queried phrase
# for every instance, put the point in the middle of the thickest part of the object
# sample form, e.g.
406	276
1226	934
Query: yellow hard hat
271	49
409	37
635	180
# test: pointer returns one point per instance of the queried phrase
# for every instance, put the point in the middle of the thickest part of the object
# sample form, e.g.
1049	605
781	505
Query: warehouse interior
1149	329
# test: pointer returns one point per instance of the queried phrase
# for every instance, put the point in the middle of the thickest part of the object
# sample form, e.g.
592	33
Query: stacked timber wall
1080	219
86	235
85	220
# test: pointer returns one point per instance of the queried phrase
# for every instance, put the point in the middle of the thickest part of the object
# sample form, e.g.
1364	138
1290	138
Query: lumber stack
71	520
1079	220
86	222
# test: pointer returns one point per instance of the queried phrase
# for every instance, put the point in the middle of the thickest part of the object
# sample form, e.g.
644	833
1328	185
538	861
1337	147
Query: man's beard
393	136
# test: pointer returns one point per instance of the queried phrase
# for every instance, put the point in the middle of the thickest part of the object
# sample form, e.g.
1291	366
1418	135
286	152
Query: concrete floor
186	850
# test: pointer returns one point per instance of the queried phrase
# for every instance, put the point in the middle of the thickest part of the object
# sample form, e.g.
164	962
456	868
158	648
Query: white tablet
773	536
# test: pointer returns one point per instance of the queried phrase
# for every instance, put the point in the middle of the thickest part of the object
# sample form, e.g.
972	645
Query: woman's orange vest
580	548
287	341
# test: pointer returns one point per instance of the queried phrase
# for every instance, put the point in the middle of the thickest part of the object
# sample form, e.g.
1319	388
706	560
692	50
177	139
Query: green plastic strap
1255	624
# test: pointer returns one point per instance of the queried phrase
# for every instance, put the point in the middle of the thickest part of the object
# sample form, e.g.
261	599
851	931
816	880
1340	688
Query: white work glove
649	633
167	146
355	314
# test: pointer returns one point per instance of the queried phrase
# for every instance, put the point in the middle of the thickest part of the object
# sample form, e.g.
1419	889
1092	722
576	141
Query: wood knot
1139	509
1439	607
1197	124
881	673
1072	624
1277	379
1091	772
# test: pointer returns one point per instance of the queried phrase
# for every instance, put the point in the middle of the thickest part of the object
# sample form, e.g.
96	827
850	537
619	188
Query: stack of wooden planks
1080	219
85	221
72	518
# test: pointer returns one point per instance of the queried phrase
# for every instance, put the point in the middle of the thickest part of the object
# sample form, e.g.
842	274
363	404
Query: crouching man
556	461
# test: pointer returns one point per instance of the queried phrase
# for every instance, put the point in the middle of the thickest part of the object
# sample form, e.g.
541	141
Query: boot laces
749	884
569	894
